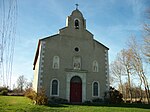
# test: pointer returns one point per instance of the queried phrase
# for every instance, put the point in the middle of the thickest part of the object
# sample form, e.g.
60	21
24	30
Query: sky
111	21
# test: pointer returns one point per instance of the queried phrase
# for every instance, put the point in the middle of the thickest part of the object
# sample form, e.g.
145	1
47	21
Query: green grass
22	104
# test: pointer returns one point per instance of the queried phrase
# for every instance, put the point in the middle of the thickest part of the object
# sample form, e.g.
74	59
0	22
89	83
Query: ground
23	104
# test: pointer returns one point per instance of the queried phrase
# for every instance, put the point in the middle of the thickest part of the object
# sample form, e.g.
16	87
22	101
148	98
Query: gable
38	48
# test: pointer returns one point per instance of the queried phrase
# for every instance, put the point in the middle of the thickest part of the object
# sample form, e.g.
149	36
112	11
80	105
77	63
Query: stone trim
83	78
51	87
107	69
41	64
98	89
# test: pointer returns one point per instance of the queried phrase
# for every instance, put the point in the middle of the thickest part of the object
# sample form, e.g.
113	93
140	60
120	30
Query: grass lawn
23	104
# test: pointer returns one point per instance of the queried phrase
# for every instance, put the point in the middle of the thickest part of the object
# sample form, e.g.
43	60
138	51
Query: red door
76	90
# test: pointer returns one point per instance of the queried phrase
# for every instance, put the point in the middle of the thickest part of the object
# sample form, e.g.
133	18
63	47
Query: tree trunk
146	88
121	85
129	85
141	97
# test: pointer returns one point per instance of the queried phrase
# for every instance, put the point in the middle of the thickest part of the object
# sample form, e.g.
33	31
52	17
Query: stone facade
72	64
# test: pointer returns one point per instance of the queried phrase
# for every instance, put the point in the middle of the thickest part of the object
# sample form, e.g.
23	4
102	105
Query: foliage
57	100
38	98
113	96
87	102
30	93
4	90
97	100
94	101
41	98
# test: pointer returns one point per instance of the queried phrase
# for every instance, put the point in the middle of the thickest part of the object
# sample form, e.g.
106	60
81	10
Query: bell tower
76	20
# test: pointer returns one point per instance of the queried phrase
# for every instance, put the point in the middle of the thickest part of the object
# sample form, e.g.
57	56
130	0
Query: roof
49	37
77	12
101	44
36	55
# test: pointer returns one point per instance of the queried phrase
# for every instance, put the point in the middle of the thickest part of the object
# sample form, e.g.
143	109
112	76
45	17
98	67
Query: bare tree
28	84
137	64
122	66
125	59
146	46
146	38
21	81
117	70
136	59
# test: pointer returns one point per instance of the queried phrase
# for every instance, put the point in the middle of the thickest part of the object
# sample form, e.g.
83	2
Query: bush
57	100
4	91
3	88
113	96
87	102
37	98
41	98
97	100
30	93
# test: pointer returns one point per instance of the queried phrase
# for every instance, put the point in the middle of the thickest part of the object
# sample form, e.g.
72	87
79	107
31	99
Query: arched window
56	62
95	89
77	62
95	66
54	87
76	22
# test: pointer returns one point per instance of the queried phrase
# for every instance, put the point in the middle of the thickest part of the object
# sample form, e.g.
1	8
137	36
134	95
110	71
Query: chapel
72	64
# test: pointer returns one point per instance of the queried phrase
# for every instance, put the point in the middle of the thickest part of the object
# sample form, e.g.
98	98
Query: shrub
97	100
4	92
41	98
113	96
57	100
3	88
37	98
30	93
87	102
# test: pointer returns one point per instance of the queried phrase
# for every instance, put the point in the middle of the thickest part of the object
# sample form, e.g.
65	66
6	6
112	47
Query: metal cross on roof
77	5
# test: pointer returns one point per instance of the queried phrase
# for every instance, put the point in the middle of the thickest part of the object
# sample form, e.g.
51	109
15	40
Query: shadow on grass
57	105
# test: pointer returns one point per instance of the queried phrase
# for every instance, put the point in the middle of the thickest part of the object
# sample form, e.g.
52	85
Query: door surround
69	76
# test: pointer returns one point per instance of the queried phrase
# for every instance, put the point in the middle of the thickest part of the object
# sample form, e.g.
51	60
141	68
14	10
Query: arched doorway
75	89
